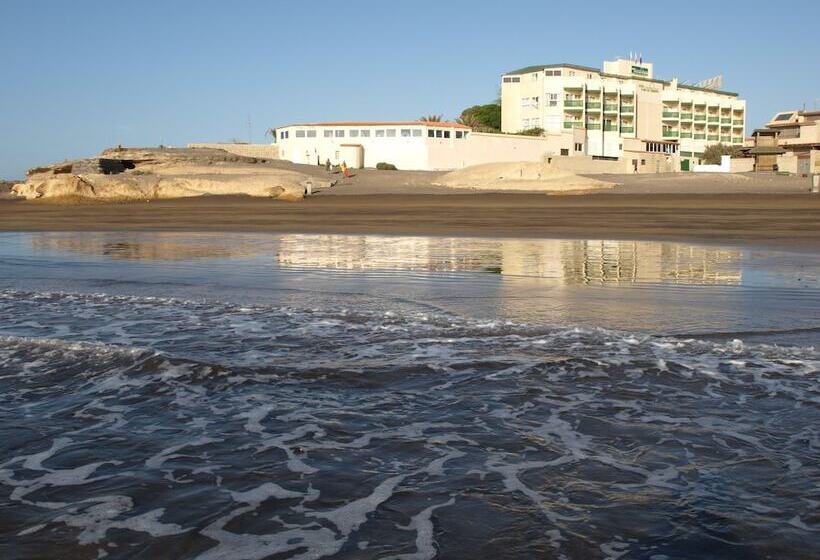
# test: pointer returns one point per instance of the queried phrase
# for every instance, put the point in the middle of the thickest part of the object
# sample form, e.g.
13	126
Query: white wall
724	167
481	147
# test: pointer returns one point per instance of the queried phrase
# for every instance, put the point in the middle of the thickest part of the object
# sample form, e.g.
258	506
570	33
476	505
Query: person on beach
345	170
328	167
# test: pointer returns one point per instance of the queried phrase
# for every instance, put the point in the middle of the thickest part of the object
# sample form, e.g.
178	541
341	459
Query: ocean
236	396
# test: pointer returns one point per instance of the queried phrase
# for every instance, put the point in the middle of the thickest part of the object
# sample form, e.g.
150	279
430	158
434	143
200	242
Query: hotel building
621	108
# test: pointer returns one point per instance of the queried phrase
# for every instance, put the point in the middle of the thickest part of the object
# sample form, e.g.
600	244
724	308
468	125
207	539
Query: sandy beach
756	209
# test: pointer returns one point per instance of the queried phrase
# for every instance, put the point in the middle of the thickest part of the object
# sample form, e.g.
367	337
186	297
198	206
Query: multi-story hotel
623	104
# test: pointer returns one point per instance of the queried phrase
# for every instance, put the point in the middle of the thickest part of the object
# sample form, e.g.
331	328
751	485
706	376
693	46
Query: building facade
410	145
619	105
797	133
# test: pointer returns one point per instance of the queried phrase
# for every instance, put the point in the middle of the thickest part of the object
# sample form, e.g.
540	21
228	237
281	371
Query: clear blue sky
79	76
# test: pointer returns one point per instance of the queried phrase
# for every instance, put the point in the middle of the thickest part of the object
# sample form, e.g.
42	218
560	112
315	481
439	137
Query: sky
79	76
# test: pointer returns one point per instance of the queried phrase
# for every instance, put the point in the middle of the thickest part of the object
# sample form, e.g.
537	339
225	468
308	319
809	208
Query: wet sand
788	221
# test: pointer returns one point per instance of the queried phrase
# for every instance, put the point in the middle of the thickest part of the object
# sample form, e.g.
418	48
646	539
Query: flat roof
441	124
538	68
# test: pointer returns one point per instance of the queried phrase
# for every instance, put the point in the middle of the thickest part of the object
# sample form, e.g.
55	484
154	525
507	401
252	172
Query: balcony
593	126
714	137
573	124
593	105
608	108
713	119
699	136
627	129
627	109
725	138
700	118
737	122
686	116
685	134
737	140
574	103
726	121
670	133
610	127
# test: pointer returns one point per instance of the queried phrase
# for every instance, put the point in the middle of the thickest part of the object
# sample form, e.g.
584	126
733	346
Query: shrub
712	153
535	131
385	166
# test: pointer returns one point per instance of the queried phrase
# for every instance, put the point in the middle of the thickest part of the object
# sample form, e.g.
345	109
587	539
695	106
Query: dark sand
789	221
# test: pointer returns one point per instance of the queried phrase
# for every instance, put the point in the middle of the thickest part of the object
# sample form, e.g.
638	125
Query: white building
411	145
619	105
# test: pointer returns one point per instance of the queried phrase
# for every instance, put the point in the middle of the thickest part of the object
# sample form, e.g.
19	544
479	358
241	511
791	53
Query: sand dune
519	176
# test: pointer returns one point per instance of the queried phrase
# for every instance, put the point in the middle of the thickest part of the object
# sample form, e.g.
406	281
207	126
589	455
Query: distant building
413	145
798	134
622	108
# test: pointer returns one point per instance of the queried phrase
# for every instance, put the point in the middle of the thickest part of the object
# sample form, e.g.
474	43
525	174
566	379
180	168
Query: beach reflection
567	261
153	246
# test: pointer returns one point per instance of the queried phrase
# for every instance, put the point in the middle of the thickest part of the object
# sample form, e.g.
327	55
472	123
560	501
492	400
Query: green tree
534	131
482	118
431	118
712	153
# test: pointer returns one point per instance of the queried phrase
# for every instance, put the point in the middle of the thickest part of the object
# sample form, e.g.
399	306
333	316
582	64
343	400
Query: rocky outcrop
146	174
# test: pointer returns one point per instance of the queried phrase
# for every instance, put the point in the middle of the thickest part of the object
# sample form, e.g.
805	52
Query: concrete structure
765	149
797	133
261	151
725	166
620	103
412	145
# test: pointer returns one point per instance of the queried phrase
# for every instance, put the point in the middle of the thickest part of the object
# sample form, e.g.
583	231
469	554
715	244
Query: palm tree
431	118
272	133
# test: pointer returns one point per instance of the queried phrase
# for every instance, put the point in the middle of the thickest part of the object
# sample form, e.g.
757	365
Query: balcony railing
686	116
594	105
573	102
670	133
627	108
610	127
610	108
685	134
725	138
712	137
726	121
737	122
594	126
713	119
573	124
697	136
737	140
627	129
671	114
700	117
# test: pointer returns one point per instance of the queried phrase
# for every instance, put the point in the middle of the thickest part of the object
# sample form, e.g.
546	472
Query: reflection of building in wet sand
566	261
153	246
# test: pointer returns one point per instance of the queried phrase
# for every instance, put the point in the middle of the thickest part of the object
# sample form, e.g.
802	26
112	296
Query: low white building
412	145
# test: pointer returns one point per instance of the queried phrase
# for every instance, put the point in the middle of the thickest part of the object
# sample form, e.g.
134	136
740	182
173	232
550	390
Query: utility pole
250	140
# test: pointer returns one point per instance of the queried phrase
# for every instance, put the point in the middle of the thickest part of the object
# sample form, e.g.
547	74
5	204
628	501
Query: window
579	147
459	134
417	132
354	133
431	133
365	133
300	134
405	133
379	133
564	152
446	133
340	134
556	73
512	80
552	99
439	134
391	132
643	162
328	134
311	134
